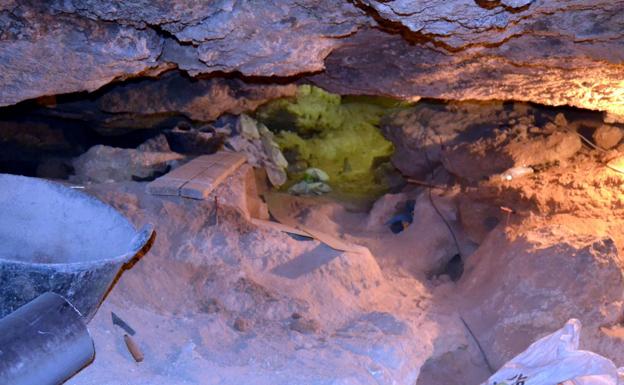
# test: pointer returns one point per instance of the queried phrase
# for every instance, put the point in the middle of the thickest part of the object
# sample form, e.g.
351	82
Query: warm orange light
617	164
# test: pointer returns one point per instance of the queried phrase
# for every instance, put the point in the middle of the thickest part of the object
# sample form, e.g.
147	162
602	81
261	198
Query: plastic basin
54	238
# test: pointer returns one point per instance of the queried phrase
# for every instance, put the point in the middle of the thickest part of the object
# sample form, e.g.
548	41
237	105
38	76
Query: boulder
556	147
475	140
419	133
104	164
508	149
520	285
607	136
474	161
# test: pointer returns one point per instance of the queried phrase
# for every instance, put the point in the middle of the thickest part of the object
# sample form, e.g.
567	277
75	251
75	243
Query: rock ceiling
553	52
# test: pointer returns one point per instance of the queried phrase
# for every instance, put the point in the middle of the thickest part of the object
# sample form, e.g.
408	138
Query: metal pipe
44	342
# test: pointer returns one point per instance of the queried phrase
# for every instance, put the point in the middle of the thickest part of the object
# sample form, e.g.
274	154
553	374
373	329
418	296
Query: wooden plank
207	159
187	171
203	184
165	186
234	157
199	177
197	189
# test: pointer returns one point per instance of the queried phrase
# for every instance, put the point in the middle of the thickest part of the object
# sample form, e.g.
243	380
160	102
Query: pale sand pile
236	304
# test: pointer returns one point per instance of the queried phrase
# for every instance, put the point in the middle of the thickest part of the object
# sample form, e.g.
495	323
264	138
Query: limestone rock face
68	46
458	24
163	102
42	53
270	38
477	140
201	99
521	287
552	52
419	133
543	69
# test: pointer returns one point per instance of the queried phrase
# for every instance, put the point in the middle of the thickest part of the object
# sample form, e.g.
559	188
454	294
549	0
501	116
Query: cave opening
311	192
430	189
417	196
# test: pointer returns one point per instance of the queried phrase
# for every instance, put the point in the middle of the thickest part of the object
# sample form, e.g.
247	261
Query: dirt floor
483	264
221	300
227	302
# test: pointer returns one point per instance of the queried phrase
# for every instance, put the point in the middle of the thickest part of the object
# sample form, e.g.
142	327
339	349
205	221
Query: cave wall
551	52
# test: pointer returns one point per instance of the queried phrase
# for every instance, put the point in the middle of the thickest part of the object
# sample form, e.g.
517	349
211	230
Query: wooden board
199	177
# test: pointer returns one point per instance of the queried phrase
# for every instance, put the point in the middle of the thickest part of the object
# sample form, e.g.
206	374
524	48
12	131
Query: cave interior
352	192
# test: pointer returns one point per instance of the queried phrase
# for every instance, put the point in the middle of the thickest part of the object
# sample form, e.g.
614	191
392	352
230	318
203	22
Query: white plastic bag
555	360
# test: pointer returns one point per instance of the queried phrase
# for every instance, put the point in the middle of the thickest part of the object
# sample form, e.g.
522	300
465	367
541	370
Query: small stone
521	128
305	326
156	144
296	315
550	127
607	136
211	305
560	120
242	324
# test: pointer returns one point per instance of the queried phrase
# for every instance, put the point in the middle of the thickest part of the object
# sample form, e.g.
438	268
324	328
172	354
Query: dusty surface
537	249
220	300
224	299
555	258
227	302
551	52
549	242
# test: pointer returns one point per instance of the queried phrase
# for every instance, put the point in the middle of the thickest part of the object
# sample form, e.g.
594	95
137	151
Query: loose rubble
257	142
